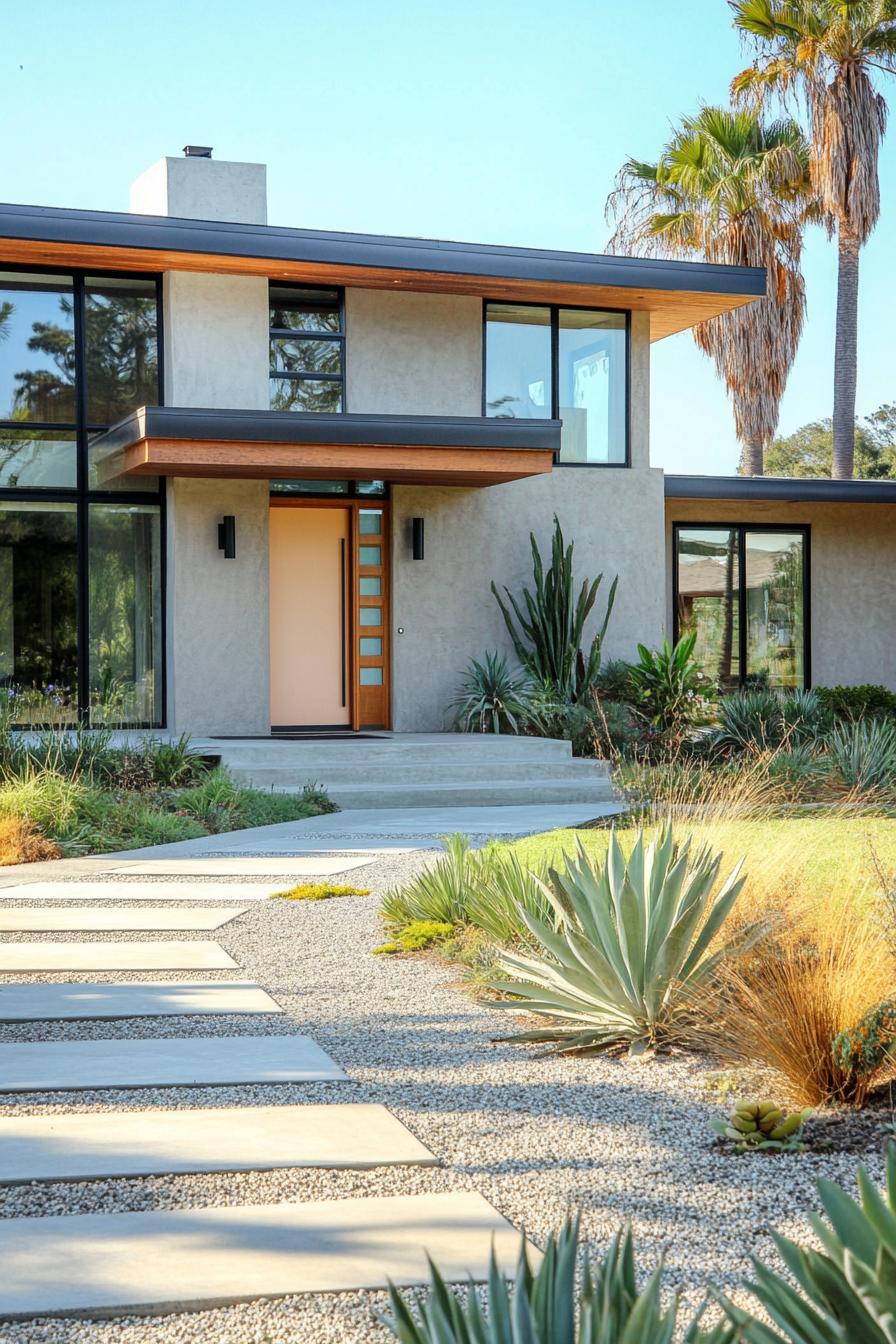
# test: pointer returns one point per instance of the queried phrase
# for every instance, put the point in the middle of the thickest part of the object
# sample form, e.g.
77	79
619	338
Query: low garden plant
762	1126
841	1292
318	891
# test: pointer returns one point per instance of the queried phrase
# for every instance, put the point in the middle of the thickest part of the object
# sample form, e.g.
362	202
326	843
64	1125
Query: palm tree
828	52
730	188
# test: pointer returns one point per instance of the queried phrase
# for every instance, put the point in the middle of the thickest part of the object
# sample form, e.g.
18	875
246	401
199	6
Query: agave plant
864	752
548	1307
848	1289
633	945
492	698
548	636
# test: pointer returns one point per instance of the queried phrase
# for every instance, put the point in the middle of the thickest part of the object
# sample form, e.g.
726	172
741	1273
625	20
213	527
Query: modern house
255	476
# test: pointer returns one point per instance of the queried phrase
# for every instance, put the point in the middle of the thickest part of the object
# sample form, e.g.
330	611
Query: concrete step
405	747
494	793
365	774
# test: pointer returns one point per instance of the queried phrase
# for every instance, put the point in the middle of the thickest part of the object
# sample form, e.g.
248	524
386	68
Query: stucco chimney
200	187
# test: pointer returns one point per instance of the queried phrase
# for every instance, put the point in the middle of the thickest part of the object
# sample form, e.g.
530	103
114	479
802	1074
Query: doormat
300	737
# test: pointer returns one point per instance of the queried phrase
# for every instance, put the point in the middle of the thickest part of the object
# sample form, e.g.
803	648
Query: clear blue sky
495	121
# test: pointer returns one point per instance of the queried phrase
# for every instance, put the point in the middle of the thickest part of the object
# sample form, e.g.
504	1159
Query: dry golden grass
22	842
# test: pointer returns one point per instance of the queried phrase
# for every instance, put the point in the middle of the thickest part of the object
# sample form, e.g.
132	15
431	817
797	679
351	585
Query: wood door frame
353	505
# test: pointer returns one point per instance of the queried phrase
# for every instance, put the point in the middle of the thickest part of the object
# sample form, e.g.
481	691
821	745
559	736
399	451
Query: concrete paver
139	998
152	955
116	890
96	918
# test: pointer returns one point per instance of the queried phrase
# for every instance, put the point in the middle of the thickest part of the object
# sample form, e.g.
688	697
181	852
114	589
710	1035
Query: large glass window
743	590
561	363
77	353
307	349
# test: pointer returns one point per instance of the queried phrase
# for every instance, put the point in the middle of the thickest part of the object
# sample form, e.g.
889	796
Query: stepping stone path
96	918
148	956
113	1264
249	1138
79	1001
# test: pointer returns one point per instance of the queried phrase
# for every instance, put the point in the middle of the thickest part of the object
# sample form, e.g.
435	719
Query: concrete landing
135	1263
139	998
158	955
213	1061
250	1138
93	918
139	891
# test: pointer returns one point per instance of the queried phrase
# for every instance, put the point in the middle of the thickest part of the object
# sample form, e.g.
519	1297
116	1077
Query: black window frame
555	309
804	530
82	494
290	333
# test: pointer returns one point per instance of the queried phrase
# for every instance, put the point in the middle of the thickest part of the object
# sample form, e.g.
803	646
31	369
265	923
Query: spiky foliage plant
758	720
547	1306
864	754
844	1293
633	947
492	697
548	627
668	683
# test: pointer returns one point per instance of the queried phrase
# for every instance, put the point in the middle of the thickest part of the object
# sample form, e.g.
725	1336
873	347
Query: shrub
815	975
548	636
174	764
762	720
857	702
633	947
613	681
669	688
318	891
48	799
22	842
864	754
846	1292
492	699
868	1047
562	1302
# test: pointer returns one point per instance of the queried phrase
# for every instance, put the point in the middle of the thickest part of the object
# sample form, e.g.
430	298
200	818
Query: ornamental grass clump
634	945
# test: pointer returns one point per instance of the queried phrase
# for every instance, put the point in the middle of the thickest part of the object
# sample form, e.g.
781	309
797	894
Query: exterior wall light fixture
227	536
417	538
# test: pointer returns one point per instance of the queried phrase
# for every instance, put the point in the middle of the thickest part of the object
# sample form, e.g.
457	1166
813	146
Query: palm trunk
752	458
845	351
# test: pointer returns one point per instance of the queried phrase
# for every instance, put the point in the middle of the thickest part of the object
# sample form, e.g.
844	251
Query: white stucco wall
852	557
413	354
444	604
216	340
218	635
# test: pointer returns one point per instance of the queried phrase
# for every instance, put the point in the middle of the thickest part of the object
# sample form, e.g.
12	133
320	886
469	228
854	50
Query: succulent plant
757	1125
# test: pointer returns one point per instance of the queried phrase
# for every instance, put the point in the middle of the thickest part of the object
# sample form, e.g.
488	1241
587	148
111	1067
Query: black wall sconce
227	536
417	538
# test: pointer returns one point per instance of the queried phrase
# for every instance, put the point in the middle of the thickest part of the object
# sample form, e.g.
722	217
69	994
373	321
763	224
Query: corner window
561	363
744	590
307	349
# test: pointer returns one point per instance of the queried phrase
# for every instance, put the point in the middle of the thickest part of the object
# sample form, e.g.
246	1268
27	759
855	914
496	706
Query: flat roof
799	489
679	293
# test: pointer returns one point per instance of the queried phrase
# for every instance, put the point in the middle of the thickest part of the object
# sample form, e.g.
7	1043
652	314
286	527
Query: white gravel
537	1137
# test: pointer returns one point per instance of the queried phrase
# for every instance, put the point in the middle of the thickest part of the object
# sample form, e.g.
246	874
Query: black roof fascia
798	489
430	431
273	243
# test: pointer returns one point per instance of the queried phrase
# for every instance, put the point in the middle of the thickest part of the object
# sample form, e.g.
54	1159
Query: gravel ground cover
535	1136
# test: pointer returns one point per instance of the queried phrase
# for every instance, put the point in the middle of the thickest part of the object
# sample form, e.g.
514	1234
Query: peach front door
309	559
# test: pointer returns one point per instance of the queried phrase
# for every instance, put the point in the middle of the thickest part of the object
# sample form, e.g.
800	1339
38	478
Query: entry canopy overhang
266	445
676	294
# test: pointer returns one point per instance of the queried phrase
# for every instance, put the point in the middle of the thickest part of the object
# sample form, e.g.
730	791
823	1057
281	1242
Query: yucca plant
438	893
864	753
633	947
846	1293
762	719
492	698
548	636
546	1306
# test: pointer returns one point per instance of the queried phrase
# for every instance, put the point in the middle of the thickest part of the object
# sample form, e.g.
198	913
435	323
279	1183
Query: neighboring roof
799	489
450	450
679	293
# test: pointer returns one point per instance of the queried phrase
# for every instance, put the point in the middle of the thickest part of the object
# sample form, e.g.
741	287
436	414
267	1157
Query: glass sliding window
775	615
307	349
592	386
709	600
37	348
518	362
743	590
125	615
39	612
